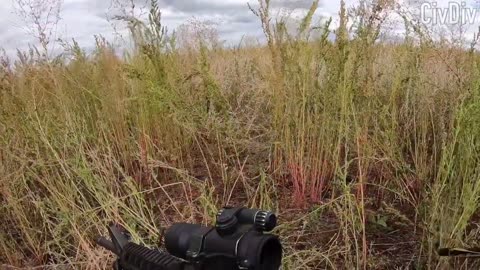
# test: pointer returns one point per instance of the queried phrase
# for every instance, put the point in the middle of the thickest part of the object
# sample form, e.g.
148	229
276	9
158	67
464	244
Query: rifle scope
237	241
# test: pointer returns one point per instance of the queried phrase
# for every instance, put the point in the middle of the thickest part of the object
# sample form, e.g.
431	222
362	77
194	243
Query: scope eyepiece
236	242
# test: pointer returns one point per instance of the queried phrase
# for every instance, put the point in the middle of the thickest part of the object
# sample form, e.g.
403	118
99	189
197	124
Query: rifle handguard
142	258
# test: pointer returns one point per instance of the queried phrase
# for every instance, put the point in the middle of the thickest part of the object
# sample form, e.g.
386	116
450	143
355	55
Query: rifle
453	252
237	242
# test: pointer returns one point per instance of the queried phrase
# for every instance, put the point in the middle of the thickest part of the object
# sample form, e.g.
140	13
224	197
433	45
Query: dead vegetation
368	151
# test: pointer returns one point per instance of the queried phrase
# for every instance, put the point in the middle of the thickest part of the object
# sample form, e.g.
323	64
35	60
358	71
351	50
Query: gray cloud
82	19
195	6
243	18
204	6
292	4
229	8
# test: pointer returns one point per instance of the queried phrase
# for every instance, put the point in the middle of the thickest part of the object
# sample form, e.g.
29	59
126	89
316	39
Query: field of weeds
368	150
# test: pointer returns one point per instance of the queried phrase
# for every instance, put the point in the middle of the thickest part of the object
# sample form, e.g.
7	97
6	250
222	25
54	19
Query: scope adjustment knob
265	221
226	223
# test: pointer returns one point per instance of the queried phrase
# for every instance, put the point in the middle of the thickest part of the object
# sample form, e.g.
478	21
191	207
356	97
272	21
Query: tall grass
368	150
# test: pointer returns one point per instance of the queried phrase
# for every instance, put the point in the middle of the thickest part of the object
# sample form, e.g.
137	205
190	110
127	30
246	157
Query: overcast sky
82	19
